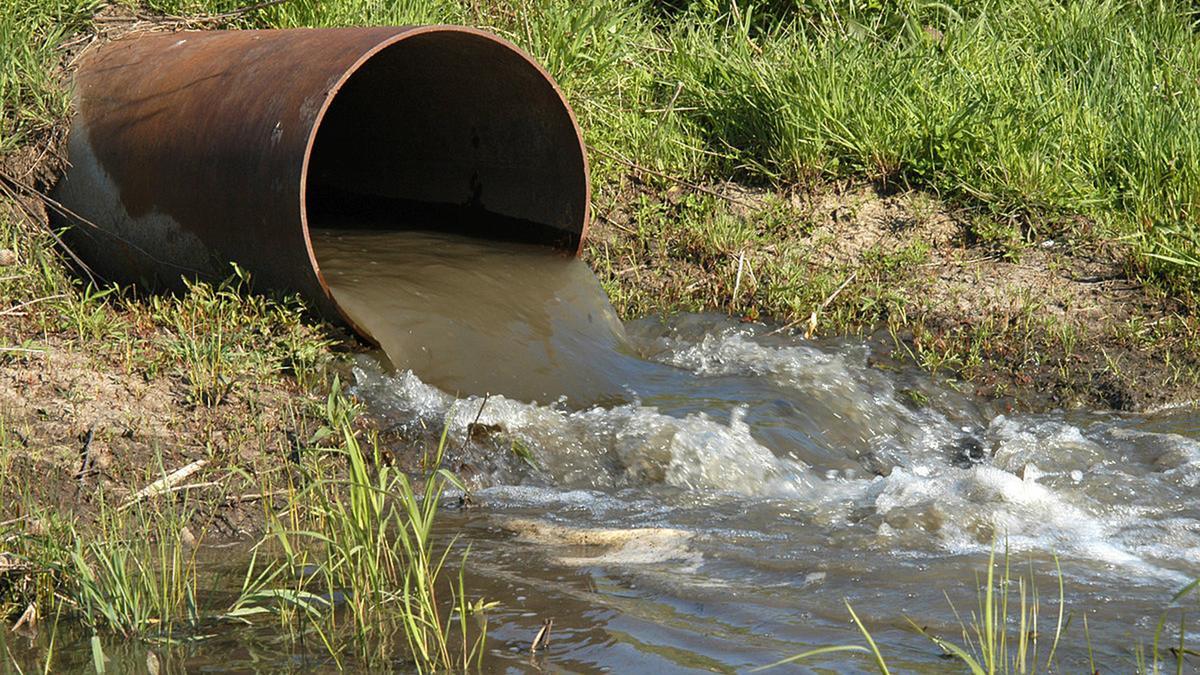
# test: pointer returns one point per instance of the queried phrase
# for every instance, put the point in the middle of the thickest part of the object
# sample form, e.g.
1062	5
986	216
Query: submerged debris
542	639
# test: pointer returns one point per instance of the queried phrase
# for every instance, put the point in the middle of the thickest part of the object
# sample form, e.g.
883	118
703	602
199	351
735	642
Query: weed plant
367	541
1003	634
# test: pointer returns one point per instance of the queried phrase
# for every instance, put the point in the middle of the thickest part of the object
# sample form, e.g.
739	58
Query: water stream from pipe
701	494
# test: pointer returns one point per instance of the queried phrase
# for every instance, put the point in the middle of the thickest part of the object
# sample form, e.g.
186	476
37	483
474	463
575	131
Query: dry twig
167	483
812	318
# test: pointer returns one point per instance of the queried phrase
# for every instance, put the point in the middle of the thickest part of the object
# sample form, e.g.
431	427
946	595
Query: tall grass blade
811	653
879	660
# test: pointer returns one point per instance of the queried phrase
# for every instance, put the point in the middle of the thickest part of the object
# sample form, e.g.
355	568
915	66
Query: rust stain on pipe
192	150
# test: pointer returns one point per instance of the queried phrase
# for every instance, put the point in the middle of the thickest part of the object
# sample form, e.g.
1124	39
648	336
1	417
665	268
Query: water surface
703	494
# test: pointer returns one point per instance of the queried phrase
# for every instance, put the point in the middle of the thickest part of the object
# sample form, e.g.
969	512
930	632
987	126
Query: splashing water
758	478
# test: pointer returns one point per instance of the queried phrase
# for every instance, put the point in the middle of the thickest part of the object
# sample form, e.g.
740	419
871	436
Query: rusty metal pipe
192	150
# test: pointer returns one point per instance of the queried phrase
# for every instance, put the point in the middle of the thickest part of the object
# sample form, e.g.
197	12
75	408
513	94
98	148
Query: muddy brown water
703	495
474	317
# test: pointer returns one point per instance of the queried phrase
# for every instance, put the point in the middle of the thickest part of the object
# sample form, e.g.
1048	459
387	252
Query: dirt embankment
1039	320
1044	319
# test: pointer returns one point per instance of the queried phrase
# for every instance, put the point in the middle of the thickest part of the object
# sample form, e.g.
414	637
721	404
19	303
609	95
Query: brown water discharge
473	316
733	490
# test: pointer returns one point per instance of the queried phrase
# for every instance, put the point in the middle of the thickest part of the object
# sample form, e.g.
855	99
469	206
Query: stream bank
1037	316
1031	317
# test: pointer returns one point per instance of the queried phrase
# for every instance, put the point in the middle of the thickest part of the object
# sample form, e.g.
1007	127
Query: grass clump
992	644
131	574
1002	634
32	96
219	335
368	539
136	581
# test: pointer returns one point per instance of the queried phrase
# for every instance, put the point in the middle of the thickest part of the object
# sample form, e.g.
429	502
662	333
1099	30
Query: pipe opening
451	130
428	185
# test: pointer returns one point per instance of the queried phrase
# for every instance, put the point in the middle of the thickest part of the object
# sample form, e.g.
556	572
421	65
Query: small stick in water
542	639
28	620
472	425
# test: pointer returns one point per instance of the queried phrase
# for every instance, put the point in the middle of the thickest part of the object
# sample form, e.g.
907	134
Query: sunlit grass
221	336
32	96
368	539
1003	633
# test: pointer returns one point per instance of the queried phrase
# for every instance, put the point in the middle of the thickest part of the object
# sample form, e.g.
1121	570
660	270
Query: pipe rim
403	34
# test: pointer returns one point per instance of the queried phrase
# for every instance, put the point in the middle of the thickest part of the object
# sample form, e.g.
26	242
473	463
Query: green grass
1039	110
32	98
1002	636
128	572
368	537
221	337
138	577
1036	108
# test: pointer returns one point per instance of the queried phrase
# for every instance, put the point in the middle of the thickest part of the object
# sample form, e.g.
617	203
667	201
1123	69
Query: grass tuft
367	539
1002	637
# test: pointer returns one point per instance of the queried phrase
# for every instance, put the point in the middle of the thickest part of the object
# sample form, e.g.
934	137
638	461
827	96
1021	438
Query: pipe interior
454	131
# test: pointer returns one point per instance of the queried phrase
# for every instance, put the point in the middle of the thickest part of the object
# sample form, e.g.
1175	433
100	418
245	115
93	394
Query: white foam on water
609	448
967	509
1175	457
863	401
1025	441
596	503
1046	485
732	350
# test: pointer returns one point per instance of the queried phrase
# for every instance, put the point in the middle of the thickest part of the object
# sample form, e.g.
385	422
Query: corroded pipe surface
192	150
